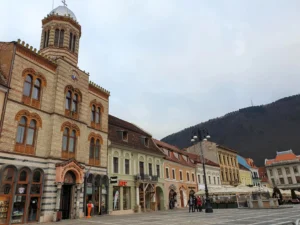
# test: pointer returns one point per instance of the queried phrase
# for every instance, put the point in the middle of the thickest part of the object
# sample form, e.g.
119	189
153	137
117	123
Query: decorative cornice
63	19
98	90
31	53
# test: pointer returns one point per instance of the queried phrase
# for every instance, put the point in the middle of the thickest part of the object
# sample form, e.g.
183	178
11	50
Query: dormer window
125	136
145	141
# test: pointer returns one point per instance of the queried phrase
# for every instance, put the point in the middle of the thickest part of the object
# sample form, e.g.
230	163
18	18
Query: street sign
114	180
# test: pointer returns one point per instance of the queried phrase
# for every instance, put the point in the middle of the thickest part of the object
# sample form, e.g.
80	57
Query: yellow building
245	175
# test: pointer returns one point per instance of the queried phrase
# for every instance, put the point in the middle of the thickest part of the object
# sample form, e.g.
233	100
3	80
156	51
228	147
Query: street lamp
202	135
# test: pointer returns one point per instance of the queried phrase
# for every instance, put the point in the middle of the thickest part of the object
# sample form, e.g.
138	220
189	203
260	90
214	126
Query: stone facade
58	133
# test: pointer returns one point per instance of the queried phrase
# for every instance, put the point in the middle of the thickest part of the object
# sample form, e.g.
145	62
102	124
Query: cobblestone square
182	216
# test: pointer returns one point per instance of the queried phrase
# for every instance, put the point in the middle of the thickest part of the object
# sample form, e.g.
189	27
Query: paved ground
180	216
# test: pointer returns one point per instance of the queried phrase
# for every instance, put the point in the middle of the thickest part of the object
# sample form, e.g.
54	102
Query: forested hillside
256	132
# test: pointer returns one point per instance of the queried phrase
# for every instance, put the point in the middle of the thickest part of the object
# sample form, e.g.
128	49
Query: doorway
33	209
65	201
181	198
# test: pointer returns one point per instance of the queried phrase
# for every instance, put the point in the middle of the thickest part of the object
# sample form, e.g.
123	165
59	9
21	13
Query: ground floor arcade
42	190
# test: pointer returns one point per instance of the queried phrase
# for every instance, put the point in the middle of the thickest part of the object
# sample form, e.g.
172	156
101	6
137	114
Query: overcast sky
170	64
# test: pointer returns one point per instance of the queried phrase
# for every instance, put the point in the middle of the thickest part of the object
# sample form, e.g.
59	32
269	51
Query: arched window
21	130
93	113
74	43
31	133
27	86
96	110
98	115
46	38
73	98
68	100
75	103
69	143
95	148
36	89
61	38
56	38
70	41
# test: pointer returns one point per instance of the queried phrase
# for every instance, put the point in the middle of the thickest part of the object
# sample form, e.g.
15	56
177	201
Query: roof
243	167
226	148
63	11
282	156
135	134
199	160
172	156
250	162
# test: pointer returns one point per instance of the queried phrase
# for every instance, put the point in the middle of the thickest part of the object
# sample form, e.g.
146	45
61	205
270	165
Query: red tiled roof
282	156
134	135
168	146
250	163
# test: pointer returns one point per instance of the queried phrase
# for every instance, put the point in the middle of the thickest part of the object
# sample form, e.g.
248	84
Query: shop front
20	194
96	191
123	195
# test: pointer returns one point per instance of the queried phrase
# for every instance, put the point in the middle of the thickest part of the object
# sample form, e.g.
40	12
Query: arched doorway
159	198
172	198
183	197
67	197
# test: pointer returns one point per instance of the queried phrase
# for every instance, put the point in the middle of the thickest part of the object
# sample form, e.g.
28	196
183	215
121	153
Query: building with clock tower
53	128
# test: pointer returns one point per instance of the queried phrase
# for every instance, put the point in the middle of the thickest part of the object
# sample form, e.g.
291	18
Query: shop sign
122	183
114	180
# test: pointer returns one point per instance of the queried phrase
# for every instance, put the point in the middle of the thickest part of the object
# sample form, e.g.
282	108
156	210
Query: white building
283	171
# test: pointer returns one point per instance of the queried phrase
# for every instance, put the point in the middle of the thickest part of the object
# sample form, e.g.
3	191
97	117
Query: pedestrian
191	204
195	203
199	204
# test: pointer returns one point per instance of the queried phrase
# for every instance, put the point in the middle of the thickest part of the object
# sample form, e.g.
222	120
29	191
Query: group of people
195	203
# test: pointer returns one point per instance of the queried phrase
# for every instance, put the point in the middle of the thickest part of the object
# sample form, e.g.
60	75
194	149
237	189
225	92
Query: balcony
146	178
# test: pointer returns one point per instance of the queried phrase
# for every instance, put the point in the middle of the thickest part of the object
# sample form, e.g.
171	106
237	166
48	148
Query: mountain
256	132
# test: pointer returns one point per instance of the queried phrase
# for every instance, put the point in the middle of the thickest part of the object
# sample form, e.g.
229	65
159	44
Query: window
218	180
220	159
214	180
193	177
271	172
27	86
157	170
75	103
74	43
147	142
180	175
36	89
72	99
281	180
125	136
127	166
295	169
224	160
96	109
116	164
199	181
26	135
32	88
173	174
69	143
95	148
273	181
287	170
70	41
209	181
142	170
150	169
167	173
290	180
279	171
61	38
188	176
56	38
46	38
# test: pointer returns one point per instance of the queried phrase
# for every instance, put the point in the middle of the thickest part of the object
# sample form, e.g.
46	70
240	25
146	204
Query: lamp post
202	135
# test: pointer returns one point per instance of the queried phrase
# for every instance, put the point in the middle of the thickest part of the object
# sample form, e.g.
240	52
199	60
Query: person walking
191	204
195	203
